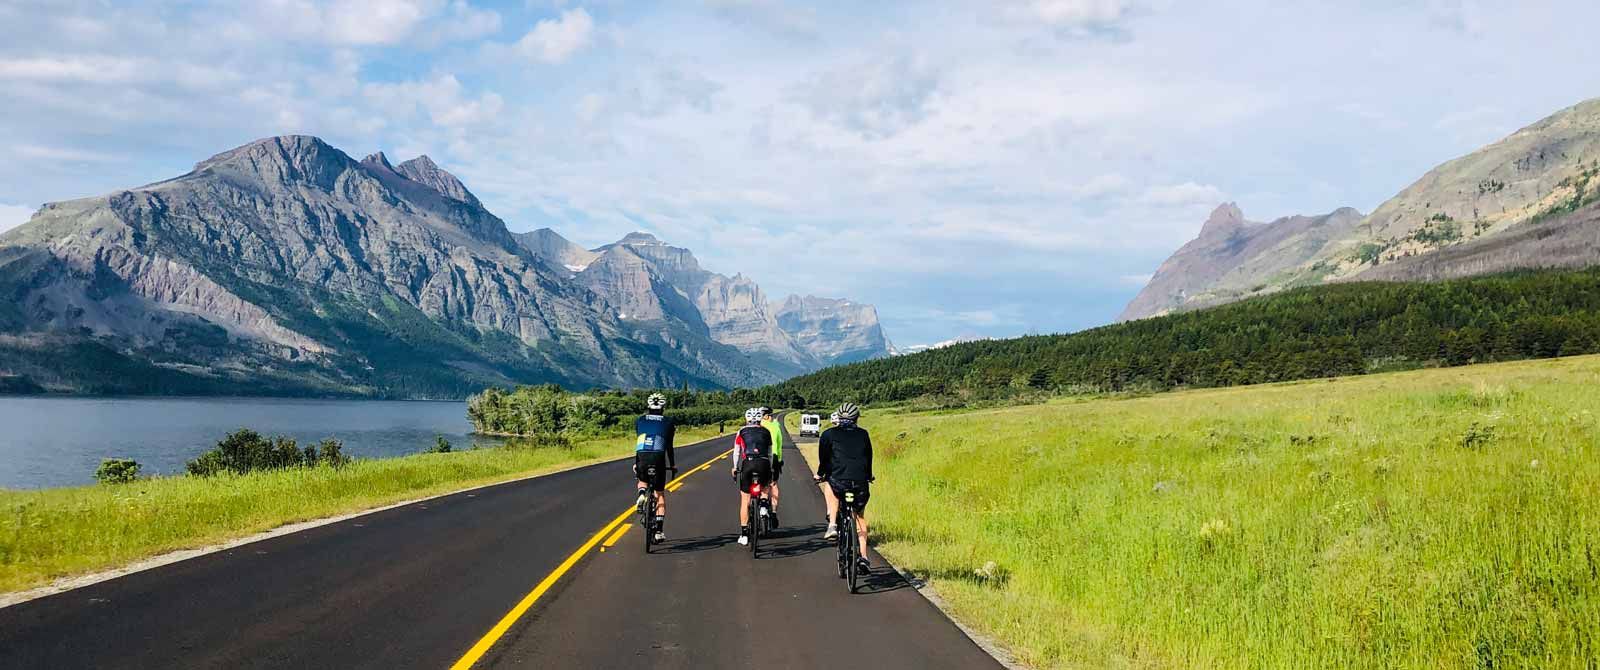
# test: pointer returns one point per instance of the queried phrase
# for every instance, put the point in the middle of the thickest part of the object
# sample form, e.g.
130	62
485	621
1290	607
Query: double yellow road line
510	619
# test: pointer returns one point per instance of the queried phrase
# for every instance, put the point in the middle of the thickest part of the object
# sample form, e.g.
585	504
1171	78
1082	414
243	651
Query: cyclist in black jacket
844	461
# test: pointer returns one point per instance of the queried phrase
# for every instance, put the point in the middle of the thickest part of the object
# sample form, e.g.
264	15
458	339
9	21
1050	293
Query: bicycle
647	511
757	514
849	567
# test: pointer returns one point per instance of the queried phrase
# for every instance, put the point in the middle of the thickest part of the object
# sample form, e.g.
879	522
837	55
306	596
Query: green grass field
52	533
1431	519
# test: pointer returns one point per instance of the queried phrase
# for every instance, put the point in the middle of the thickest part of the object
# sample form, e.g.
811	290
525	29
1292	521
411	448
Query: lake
46	441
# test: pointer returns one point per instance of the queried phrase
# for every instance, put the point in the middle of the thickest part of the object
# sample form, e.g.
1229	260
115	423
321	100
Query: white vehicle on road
810	425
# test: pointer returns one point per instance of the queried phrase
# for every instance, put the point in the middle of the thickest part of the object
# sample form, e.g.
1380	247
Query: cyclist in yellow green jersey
772	426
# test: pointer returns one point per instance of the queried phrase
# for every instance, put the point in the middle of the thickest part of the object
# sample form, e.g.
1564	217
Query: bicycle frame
647	513
846	525
756	520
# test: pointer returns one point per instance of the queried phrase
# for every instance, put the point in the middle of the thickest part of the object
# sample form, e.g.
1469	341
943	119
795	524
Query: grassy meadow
1431	519
52	533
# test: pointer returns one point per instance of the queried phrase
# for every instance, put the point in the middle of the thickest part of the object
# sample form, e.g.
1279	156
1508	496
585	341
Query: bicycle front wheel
649	520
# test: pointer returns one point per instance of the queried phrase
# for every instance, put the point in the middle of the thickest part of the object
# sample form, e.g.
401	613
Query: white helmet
656	401
752	415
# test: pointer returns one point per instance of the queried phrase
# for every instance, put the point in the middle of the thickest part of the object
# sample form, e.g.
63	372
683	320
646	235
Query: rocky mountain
1523	201
664	286
285	266
546	244
1233	258
834	331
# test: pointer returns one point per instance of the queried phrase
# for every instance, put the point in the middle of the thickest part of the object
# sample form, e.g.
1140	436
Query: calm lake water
60	441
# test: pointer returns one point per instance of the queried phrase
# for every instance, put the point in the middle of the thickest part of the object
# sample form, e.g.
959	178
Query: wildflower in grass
1213	528
1213	532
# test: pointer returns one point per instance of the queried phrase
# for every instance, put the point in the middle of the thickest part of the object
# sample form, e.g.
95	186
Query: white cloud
1074	18
12	216
373	21
555	40
88	69
1459	16
1186	194
442	97
785	19
63	154
875	99
464	22
1135	279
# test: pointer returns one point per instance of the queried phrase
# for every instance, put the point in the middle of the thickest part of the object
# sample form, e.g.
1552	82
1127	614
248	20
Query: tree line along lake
58	441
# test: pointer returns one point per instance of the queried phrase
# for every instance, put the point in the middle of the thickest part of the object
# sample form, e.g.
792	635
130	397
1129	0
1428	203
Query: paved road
418	586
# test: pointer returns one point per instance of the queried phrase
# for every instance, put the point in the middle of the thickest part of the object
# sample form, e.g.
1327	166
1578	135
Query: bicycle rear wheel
838	541
755	525
649	520
848	536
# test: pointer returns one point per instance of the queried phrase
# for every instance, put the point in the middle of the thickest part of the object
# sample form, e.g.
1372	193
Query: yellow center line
612	541
506	622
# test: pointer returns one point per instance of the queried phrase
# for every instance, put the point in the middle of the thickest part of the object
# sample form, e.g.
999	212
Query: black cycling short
644	461
755	470
862	491
777	470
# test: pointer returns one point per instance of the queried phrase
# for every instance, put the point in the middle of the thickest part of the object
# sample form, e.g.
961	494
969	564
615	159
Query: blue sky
972	168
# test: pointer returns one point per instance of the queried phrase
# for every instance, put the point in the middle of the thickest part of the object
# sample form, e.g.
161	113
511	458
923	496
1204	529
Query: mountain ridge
285	264
1477	213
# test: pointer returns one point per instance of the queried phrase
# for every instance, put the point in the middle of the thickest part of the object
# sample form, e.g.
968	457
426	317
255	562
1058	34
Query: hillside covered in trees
1321	331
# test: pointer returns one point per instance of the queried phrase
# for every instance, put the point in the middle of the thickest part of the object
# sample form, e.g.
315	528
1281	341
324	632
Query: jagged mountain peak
549	246
1225	261
378	160
287	253
639	237
1225	217
834	330
424	171
281	159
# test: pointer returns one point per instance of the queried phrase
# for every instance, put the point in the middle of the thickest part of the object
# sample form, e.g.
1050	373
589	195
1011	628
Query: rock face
423	171
659	286
729	310
834	331
1234	258
1524	201
545	244
284	265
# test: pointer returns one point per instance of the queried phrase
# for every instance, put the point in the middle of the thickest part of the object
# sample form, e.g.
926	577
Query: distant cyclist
844	461
752	464
654	447
772	426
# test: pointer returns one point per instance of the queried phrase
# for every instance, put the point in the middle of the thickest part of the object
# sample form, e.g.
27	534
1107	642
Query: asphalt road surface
515	575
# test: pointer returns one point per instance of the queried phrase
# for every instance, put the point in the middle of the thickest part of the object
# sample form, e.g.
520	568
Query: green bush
330	452
245	451
533	410
117	471
441	446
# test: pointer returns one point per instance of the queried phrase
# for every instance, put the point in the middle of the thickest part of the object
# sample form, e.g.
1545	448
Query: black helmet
849	412
656	401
